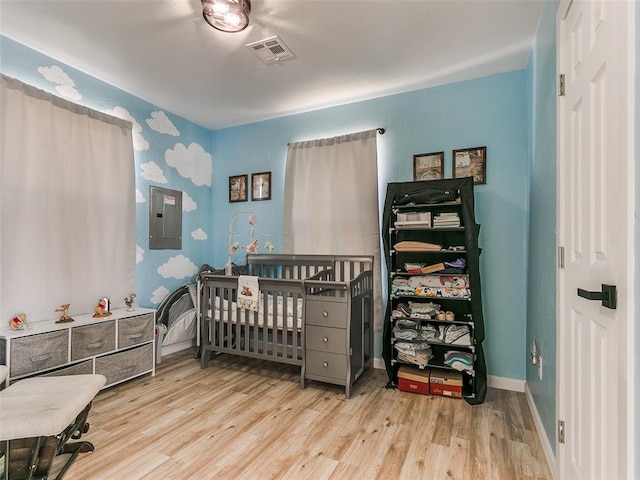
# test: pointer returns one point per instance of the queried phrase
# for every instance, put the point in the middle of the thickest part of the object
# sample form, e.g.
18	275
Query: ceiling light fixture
227	15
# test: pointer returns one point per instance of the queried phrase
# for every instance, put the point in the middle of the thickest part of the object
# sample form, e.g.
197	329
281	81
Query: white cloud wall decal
161	123
69	91
191	162
139	142
139	254
159	294
188	203
140	197
65	86
199	234
178	267
152	172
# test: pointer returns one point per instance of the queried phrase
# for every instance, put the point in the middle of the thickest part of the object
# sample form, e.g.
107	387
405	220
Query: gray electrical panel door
165	218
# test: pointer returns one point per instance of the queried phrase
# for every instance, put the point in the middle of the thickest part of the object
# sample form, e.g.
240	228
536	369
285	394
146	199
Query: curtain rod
379	130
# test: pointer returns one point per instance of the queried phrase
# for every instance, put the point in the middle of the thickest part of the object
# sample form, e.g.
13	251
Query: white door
595	195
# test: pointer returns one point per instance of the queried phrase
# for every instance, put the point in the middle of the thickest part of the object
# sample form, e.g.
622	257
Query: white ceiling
346	51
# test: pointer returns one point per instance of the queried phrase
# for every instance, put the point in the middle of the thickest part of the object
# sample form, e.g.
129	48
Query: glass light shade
227	15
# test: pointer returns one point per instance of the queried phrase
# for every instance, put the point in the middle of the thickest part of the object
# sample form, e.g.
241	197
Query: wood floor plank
246	419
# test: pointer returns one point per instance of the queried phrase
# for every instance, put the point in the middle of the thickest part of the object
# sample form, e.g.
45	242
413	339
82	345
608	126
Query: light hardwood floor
244	419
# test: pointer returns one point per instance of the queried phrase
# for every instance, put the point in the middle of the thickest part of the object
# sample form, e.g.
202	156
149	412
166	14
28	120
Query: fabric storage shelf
121	346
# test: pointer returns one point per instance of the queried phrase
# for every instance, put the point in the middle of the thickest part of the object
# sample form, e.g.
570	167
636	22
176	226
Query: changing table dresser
120	346
337	337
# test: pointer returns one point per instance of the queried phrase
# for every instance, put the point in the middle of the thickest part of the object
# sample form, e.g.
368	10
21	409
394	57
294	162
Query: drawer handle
325	339
325	314
41	358
133	336
95	345
325	364
127	369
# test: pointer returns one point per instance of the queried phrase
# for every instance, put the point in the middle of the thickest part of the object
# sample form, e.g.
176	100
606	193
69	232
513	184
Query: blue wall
541	268
488	111
185	145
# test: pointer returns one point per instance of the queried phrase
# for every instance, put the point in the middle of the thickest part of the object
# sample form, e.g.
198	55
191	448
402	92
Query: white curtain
67	231
331	201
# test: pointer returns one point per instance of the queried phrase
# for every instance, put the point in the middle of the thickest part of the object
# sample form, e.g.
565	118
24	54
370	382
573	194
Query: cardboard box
413	380
446	383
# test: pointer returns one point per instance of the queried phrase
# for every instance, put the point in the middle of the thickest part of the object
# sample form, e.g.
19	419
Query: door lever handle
608	295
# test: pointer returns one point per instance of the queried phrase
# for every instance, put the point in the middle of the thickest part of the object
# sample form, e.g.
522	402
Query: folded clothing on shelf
421	358
416	353
448	219
461	361
413	246
455	334
457	263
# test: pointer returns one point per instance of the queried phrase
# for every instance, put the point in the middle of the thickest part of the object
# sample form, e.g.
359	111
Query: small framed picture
261	186
428	166
238	188
470	162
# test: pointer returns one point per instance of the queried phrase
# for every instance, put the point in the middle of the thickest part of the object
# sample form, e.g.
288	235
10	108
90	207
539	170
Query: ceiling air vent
271	50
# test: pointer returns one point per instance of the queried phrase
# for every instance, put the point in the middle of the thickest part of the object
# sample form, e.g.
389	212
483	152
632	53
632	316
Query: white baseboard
542	435
176	347
504	383
378	362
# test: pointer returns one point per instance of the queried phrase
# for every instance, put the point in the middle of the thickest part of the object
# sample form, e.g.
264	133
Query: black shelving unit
453	290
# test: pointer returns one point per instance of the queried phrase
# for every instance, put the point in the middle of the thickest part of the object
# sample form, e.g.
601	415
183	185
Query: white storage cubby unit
120	346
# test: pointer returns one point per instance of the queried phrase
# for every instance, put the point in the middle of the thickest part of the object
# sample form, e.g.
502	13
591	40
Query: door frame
630	229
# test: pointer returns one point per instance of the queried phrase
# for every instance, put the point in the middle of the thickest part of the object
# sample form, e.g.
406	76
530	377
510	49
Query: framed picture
470	162
261	186
238	188
428	166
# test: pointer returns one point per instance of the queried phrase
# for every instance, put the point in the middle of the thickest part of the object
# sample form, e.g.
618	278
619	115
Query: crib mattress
282	319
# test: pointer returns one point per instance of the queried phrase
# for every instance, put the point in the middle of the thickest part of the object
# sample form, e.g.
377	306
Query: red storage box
413	380
445	383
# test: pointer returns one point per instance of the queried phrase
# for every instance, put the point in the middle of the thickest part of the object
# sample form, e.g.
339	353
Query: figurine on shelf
65	317
102	309
129	302
19	322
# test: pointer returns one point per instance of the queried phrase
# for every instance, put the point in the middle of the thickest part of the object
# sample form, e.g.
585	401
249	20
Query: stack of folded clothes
454	334
416	353
446	286
446	220
424	311
405	329
411	246
461	361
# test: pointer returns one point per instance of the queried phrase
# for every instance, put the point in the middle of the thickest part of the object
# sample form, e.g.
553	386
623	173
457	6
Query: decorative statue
65	317
19	322
102	309
129	302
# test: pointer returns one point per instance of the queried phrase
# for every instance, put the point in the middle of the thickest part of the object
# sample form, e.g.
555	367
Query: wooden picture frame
238	188
470	162
428	166
261	186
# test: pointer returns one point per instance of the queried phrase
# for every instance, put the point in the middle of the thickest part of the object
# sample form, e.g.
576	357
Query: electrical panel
165	219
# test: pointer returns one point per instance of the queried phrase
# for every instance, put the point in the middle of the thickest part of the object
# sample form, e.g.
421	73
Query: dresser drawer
39	352
123	365
81	368
92	340
324	364
326	339
328	314
135	330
